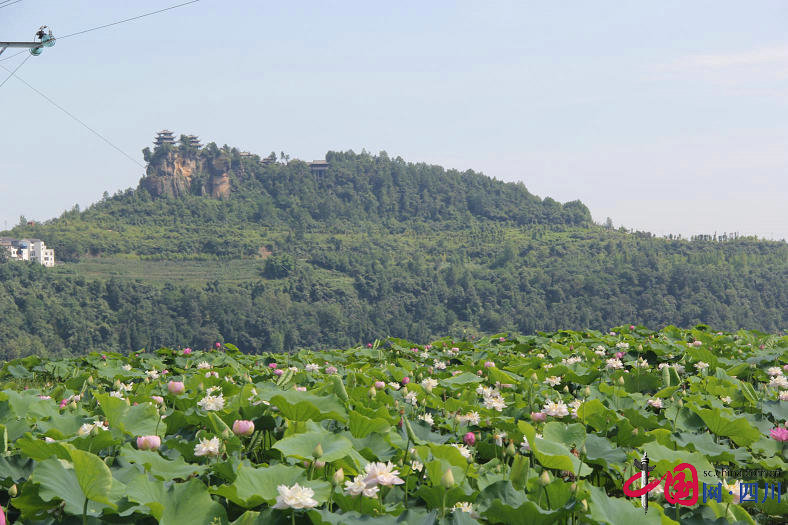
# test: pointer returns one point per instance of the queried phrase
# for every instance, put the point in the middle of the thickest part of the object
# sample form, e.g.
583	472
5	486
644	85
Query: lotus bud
380	385
176	387
116	384
13	491
587	391
448	479
226	434
538	416
621	380
318	451
469	439
242	427
319	463
147	380
544	478
510	449
405	380
90	380
573	487
584	503
73	404
635	431
158	399
681	403
566	388
148	442
534	377
372	391
339	477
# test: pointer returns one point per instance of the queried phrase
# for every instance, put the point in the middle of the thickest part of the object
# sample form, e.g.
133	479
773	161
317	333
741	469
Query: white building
28	250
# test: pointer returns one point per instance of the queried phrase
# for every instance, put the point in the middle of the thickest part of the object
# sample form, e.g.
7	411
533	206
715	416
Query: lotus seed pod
544	478
448	479
318	451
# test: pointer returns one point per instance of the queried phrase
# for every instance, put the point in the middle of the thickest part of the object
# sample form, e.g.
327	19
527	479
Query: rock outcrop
174	173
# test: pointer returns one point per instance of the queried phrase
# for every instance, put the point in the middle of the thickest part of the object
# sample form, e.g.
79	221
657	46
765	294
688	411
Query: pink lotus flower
165	372
278	372
380	385
242	427
489	364
405	380
631	327
187	351
159	400
697	343
63	403
779	433
176	387
104	357
619	355
331	370
785	367
479	372
2	516
501	339
218	345
469	439
369	345
428	347
148	442
272	365
538	416
300	389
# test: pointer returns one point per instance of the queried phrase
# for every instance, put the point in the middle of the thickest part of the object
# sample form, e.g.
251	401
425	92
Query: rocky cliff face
173	174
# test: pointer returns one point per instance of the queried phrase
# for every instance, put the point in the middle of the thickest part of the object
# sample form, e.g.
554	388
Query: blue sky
666	117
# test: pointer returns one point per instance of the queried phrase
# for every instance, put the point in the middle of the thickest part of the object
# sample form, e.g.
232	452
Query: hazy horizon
668	119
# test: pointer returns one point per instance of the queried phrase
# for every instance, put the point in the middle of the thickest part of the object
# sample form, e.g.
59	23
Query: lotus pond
504	429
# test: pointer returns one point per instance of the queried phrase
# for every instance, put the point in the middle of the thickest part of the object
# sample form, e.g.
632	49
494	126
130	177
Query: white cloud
770	56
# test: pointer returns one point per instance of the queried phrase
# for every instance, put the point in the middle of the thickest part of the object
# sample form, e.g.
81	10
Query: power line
126	20
12	56
11	3
64	110
14	71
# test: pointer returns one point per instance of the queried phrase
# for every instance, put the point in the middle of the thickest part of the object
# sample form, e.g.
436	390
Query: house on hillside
28	250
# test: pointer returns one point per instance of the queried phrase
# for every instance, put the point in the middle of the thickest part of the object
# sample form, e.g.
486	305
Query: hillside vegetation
374	246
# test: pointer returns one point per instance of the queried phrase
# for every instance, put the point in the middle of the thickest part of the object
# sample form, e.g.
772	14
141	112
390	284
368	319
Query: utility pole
44	39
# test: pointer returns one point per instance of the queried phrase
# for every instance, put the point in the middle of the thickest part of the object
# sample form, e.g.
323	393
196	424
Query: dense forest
370	247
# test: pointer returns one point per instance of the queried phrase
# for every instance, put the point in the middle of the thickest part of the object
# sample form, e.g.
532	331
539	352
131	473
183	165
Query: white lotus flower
553	380
774	371
312	367
359	486
210	402
784	395
427	418
555	409
439	365
394	385
382	474
152	374
494	403
126	367
614	364
700	365
574	405
411	398
203	365
429	383
295	497
779	382
464	450
656	403
207	447
471	418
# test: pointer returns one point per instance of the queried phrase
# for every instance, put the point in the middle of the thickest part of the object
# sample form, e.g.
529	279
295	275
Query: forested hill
172	211
215	245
